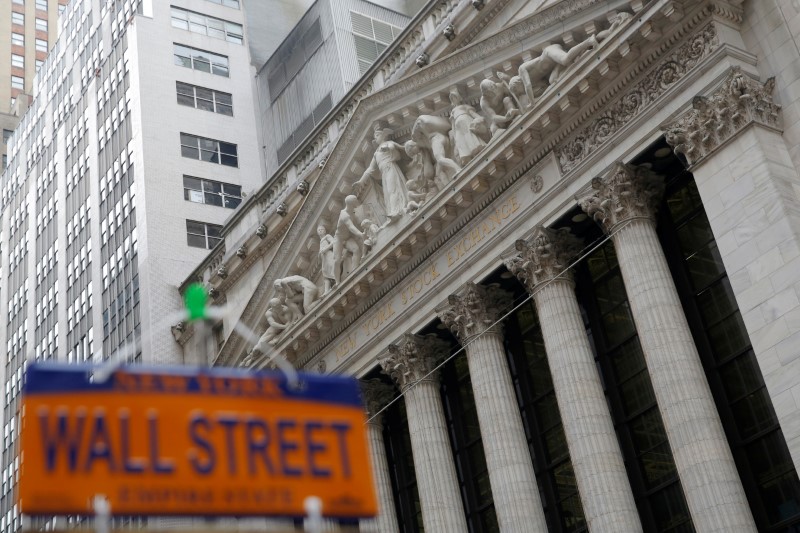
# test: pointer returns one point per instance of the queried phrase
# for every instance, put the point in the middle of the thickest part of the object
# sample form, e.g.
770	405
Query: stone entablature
535	133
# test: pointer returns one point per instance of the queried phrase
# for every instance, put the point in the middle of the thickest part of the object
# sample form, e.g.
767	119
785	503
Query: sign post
192	442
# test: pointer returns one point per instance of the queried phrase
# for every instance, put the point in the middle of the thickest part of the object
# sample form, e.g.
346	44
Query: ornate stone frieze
625	193
545	256
474	310
645	93
714	119
413	359
376	395
331	181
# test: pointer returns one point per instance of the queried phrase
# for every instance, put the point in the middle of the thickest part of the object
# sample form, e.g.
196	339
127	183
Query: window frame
191	91
200	23
17	39
39	22
197	55
17	18
39	7
212	148
17	60
227	191
18	82
210	240
41	45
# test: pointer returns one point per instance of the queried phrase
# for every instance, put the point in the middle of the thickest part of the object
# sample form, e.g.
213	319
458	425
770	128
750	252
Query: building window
203	98
210	150
205	25
17	61
202	235
290	58
210	192
41	45
201	60
371	38
41	5
41	24
18	2
39	63
17	18
228	3
17	39
17	82
7	135
61	9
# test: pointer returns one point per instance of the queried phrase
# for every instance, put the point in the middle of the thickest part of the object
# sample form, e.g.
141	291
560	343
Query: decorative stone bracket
713	120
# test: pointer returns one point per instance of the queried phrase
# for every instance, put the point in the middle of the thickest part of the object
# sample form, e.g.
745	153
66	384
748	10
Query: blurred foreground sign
187	441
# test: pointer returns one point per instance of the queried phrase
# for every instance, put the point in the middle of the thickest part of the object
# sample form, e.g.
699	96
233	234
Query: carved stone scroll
714	119
627	192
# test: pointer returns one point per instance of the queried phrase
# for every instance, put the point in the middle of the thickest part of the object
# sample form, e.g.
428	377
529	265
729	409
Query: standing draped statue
467	126
326	258
384	166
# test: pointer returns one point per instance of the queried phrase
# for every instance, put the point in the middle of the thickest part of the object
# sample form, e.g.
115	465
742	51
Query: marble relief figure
297	293
326	258
433	132
498	105
421	175
385	168
278	319
468	126
348	241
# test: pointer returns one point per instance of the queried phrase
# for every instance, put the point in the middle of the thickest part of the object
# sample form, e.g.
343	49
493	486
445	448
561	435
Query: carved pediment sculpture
469	128
385	168
326	259
348	241
433	133
499	105
278	319
297	293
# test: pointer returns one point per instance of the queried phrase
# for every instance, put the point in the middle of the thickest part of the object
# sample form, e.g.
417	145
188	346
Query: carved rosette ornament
376	395
213	293
449	32
241	252
714	119
413	359
261	231
627	192
474	310
544	256
283	209
303	187
423	59
222	272
478	4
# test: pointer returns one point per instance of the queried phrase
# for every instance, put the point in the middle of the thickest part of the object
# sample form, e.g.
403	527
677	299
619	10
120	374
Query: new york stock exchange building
559	243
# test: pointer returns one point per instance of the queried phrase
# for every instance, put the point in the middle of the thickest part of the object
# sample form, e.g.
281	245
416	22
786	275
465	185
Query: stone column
410	363
376	395
541	264
471	316
624	204
747	180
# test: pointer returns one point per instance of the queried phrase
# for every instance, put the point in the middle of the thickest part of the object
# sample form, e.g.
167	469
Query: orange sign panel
192	442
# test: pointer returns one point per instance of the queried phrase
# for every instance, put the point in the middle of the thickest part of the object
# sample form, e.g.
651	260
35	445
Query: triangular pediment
453	131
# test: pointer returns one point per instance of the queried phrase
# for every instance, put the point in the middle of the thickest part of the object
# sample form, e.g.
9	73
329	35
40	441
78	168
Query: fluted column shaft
704	461
411	363
386	521
439	494
593	446
514	488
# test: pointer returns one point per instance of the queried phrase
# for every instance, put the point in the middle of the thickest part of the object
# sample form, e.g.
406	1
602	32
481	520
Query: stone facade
515	150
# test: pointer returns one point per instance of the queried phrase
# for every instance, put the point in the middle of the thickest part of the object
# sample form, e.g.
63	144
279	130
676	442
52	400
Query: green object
196	301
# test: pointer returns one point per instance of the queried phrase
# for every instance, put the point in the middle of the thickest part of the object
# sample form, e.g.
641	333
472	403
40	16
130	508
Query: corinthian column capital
712	120
413	358
376	395
544	256
625	193
474	309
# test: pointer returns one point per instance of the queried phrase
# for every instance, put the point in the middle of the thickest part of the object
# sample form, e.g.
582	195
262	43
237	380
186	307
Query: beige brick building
27	30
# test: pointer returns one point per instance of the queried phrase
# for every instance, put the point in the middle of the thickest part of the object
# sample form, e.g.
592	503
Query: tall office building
575	303
138	144
27	29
